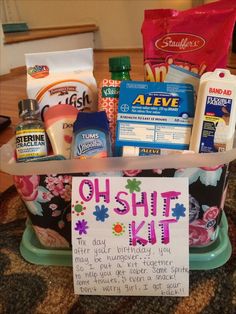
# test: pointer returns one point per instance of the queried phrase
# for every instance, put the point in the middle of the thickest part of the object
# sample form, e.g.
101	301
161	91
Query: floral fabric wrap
207	189
48	200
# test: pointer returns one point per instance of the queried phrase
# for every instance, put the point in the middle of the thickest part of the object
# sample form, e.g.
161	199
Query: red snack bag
220	4
197	39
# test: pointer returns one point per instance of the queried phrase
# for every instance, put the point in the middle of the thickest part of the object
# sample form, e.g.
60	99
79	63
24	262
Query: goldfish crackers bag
196	40
62	77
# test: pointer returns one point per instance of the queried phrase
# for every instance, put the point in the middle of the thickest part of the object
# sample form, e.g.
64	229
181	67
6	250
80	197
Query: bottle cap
119	63
52	114
28	105
91	120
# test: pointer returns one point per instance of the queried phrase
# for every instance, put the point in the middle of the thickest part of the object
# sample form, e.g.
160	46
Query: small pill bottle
120	68
31	141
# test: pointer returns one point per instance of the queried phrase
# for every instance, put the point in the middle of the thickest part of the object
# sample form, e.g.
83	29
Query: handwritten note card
130	236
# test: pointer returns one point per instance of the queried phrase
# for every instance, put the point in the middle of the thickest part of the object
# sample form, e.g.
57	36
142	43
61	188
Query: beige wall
119	21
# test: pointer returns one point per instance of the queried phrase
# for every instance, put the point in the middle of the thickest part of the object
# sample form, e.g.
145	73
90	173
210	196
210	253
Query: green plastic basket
204	258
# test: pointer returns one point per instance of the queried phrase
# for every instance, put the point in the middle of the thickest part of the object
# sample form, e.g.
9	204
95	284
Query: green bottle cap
119	64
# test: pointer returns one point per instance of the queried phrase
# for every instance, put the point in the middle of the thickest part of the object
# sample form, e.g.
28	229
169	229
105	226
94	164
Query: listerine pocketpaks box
153	114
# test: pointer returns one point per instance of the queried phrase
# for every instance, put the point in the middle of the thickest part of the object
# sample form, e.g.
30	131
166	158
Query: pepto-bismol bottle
31	139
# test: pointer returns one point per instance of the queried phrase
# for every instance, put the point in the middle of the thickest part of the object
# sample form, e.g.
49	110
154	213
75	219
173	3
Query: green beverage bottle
120	68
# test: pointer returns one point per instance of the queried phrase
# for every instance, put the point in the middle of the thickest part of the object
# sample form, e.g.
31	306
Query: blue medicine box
155	115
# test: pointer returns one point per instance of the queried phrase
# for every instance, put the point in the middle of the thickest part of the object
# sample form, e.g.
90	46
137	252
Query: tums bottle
30	133
91	136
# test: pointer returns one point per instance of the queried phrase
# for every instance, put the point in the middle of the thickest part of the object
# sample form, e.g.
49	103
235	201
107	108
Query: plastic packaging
59	121
215	117
200	258
197	40
47	197
178	74
9	165
62	77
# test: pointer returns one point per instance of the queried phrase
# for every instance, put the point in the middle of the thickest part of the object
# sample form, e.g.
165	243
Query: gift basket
190	139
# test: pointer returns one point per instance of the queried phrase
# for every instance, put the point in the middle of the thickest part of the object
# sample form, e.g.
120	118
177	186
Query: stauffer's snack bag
62	77
196	40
